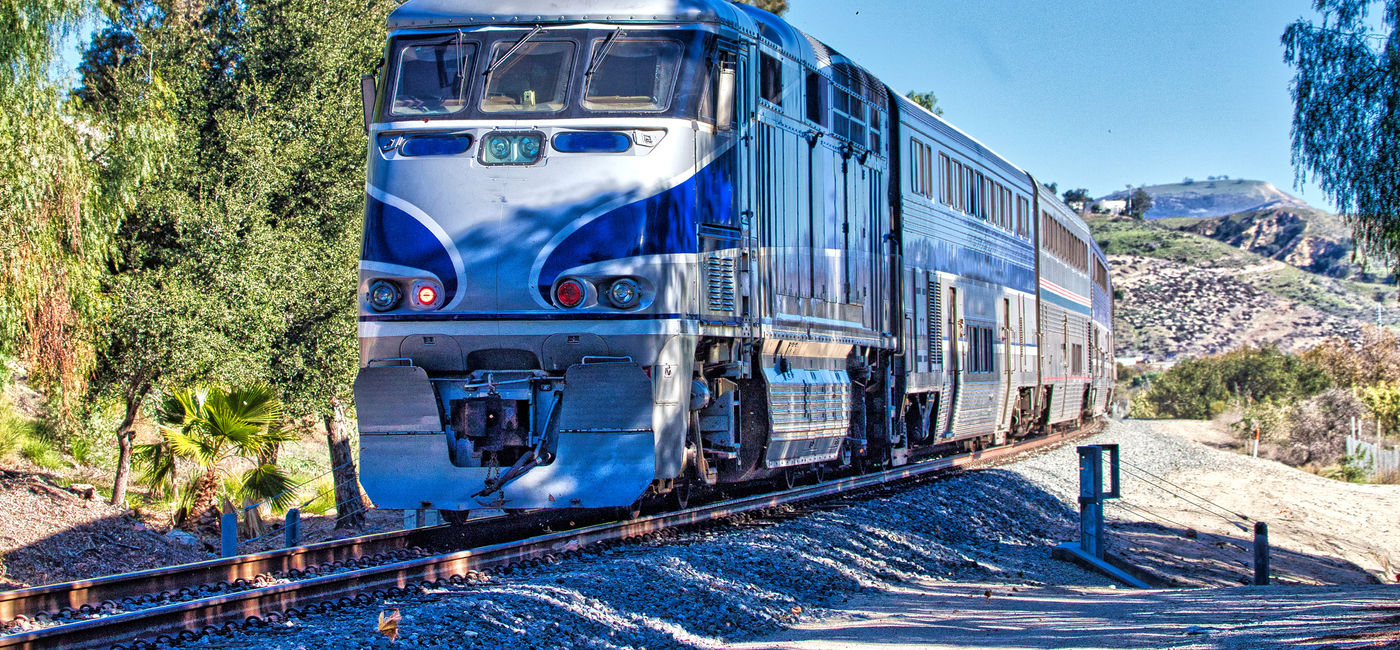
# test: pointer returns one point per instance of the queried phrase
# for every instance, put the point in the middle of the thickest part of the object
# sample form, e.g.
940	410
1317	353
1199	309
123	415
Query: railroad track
394	568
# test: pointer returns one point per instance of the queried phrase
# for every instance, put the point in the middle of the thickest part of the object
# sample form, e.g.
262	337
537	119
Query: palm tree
210	427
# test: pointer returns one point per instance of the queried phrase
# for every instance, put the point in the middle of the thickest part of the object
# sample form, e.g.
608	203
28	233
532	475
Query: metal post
1090	504
228	534
292	529
1261	553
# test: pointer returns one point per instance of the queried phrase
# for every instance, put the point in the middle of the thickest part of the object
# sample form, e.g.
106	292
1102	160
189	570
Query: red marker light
569	294
427	295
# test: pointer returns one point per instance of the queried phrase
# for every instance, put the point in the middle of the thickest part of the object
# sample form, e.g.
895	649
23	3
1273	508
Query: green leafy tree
1346	117
209	428
262	217
65	181
1080	195
1384	401
1201	388
1139	202
775	7
928	100
188	293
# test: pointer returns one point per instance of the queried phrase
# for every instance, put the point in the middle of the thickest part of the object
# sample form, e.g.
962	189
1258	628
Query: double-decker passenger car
615	247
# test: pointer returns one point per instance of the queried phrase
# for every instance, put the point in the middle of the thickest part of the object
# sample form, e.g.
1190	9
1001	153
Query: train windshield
432	76
632	75
529	77
555	73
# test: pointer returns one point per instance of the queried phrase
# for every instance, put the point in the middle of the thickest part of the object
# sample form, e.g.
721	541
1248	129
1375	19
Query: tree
775	7
187	288
299	57
926	99
210	427
1139	202
1346	117
63	176
1080	195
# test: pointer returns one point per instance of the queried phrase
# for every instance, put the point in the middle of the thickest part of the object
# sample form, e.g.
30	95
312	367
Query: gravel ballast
750	577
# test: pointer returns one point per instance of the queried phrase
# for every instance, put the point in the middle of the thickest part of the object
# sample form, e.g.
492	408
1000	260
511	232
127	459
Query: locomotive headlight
383	295
530	147
624	293
512	148
500	147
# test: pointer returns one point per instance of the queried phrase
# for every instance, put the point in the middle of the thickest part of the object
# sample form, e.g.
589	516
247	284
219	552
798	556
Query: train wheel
455	517
787	480
820	473
680	494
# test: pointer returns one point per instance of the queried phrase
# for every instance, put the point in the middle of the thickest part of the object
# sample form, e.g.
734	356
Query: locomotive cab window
533	79
632	75
770	78
431	76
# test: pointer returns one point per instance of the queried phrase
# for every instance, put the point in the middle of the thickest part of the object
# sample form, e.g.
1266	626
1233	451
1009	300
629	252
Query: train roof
442	13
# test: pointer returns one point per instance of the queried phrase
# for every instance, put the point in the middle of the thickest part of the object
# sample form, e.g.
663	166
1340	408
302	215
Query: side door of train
726	215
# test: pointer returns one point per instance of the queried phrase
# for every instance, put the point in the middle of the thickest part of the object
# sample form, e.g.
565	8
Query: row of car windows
962	187
1101	274
1062	243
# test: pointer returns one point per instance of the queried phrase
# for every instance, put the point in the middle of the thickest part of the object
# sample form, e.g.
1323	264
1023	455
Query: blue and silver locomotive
619	247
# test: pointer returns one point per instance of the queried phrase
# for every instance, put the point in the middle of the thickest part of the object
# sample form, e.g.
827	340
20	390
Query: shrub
14	430
321	495
40	453
1352	469
1310	432
80	449
1203	388
1383	400
1319	425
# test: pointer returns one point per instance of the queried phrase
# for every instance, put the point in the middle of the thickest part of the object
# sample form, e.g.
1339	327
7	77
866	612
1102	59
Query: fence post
228	534
1261	553
292	529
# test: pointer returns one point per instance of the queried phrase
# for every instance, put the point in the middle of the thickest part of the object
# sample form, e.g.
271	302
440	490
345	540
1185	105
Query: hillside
1305	237
1183	294
1216	198
1258	217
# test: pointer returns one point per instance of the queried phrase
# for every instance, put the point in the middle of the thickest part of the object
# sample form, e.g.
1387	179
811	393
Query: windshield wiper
461	69
603	52
513	49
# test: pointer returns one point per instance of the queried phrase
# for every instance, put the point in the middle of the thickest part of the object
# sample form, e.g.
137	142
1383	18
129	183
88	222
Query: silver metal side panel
396	399
809	412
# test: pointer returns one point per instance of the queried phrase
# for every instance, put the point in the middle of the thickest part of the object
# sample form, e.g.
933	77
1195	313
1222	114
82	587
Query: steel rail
92	593
338	589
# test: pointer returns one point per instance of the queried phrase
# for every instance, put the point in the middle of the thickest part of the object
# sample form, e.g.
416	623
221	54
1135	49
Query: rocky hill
1212	198
1181	293
1305	237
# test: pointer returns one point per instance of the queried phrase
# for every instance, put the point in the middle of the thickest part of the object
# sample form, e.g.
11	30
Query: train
625	249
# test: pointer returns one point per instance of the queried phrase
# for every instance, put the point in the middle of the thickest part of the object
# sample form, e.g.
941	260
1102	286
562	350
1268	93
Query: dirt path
1343	527
961	615
1332	543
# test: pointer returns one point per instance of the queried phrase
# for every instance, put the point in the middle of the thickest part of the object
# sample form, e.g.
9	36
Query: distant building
1112	206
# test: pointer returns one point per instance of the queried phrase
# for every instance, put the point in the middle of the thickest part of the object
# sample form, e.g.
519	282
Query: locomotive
616	248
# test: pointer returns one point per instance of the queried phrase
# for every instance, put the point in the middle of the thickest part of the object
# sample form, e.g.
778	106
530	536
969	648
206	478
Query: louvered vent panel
719	277
935	325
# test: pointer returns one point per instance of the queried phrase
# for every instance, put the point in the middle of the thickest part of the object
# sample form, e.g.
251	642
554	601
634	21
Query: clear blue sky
1091	93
